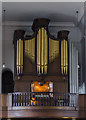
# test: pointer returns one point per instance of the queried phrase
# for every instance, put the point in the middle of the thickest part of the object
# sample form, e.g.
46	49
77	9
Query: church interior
43	60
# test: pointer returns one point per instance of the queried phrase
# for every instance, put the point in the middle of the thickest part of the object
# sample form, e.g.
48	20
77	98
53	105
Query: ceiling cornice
51	24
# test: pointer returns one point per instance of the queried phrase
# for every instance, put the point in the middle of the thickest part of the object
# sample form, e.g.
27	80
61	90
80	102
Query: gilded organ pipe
46	53
39	52
62	57
42	51
18	44
53	49
66	57
17	56
63	36
30	49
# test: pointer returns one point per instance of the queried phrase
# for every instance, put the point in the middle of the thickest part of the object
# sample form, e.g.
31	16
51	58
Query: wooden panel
82	101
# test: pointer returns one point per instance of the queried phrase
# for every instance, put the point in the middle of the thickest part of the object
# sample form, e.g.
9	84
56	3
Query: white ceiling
55	11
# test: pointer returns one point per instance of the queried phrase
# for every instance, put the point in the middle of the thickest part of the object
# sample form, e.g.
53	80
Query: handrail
44	99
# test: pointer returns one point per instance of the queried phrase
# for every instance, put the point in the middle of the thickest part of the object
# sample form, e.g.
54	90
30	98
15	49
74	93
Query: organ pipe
53	50
19	45
63	36
19	56
30	49
42	51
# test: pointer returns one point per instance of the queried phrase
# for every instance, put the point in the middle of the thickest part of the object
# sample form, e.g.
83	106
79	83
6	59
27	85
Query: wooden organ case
41	57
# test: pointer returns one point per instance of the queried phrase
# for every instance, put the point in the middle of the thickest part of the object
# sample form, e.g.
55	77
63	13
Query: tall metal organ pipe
19	51
63	36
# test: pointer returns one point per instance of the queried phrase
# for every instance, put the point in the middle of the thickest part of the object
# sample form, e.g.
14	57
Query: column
73	68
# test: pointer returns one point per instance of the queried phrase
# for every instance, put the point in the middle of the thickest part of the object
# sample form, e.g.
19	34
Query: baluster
43	99
20	99
14	103
50	98
62	100
59	100
30	95
23	99
35	99
66	99
69	100
28	102
26	99
73	100
40	99
56	99
17	99
47	99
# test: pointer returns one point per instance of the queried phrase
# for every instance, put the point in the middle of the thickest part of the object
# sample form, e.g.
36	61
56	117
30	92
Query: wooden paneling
82	101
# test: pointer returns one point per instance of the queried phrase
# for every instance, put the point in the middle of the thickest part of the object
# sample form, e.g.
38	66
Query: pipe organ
41	48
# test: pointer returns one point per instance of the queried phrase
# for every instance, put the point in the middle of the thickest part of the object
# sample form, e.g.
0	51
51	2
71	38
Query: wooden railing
20	104
44	99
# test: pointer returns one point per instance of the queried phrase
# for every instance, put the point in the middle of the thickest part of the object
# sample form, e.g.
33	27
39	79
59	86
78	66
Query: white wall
0	43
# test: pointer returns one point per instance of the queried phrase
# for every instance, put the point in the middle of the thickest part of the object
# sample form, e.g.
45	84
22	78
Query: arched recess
7	81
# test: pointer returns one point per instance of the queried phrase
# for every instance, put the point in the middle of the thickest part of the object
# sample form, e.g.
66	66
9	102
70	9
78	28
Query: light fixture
63	36
3	65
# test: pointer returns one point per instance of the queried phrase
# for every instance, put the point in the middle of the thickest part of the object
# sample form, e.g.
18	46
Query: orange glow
34	102
40	88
